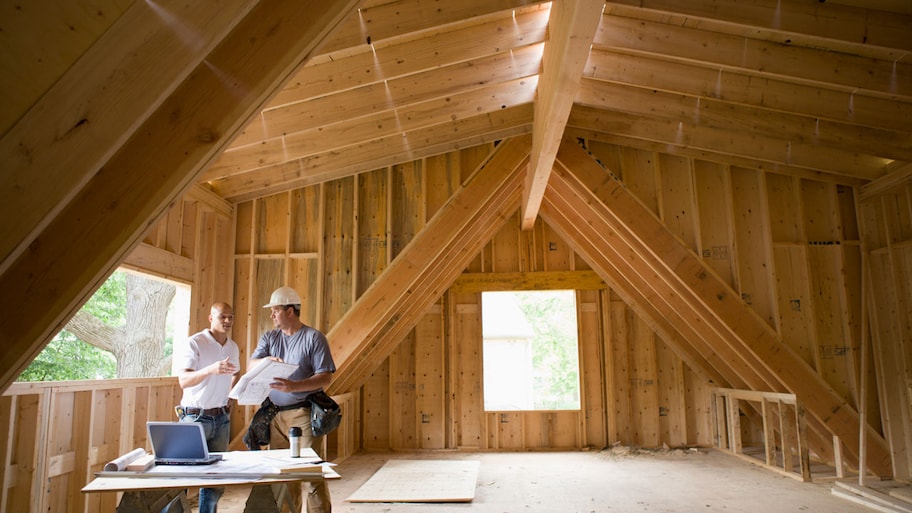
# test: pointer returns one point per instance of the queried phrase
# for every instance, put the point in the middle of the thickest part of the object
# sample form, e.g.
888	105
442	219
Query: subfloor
615	480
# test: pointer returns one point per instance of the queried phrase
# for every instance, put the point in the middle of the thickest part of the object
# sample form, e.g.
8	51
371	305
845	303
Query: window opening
110	337
530	350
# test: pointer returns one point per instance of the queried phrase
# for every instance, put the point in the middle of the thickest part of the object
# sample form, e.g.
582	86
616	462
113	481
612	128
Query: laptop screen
177	440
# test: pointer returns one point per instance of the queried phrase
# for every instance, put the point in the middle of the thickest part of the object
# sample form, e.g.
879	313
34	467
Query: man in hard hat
206	366
292	341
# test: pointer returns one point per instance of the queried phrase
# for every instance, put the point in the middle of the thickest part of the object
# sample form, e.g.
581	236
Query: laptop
180	443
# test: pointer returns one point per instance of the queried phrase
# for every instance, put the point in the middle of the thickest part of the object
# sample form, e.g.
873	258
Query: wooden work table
165	486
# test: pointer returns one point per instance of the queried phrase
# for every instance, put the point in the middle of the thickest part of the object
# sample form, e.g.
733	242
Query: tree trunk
139	345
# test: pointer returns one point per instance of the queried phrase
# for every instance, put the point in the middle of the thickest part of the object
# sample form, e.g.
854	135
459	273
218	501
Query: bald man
208	363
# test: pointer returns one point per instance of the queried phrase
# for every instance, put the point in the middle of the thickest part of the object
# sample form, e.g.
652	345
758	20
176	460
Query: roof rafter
682	275
81	123
92	234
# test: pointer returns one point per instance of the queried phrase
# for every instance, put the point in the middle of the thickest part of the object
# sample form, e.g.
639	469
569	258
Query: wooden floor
613	481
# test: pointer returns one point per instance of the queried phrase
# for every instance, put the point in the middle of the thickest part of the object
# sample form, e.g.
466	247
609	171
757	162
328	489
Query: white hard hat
283	296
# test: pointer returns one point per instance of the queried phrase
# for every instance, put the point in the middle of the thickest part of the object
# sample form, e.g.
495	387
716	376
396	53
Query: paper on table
124	460
281	462
253	387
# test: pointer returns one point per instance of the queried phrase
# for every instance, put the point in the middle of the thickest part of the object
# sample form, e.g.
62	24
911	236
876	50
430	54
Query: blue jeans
217	430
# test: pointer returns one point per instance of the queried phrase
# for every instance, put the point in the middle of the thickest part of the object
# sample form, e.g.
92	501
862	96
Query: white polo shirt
201	350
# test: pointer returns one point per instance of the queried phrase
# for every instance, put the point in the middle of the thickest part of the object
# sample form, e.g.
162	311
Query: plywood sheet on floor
420	481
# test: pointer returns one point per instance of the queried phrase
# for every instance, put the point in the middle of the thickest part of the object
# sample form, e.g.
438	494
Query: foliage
555	357
68	358
109	303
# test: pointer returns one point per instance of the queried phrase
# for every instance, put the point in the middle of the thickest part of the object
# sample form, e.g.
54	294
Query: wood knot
207	136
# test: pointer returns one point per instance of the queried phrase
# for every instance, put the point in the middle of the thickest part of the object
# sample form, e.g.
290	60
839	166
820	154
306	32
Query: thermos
294	436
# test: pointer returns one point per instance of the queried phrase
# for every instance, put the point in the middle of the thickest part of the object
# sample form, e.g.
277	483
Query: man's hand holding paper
254	386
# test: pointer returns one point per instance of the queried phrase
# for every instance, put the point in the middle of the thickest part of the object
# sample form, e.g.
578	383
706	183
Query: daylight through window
530	353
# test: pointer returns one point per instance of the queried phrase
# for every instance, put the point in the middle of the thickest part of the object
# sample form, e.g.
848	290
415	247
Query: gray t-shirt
307	348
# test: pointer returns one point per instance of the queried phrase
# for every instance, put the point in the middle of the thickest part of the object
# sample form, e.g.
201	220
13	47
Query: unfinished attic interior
725	185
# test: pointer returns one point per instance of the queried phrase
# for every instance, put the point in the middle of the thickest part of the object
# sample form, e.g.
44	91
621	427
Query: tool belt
305	404
211	412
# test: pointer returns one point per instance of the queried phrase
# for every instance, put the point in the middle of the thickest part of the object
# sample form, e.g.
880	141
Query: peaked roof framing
373	327
720	82
618	224
821	90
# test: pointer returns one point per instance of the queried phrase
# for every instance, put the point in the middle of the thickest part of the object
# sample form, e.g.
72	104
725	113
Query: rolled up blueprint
122	462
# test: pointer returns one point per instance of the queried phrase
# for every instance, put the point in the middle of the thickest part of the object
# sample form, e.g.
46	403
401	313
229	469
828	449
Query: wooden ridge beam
421	273
706	293
87	239
570	31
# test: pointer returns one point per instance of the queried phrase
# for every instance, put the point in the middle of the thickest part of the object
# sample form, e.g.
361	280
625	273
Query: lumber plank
570	31
879	25
392	305
157	164
823	67
91	111
682	271
29	65
710	155
700	135
379	62
383	19
539	280
742	88
161	262
373	154
359	130
395	94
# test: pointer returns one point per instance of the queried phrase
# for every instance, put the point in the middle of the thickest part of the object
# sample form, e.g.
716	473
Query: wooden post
863	371
803	451
734	425
785	428
838	461
769	436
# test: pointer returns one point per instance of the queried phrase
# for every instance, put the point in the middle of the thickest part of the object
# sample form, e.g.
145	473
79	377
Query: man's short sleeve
187	356
322	356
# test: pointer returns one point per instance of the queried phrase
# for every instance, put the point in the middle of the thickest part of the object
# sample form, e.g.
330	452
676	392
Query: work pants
317	494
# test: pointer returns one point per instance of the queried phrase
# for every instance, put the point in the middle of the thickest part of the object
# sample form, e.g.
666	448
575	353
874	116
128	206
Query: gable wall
788	246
